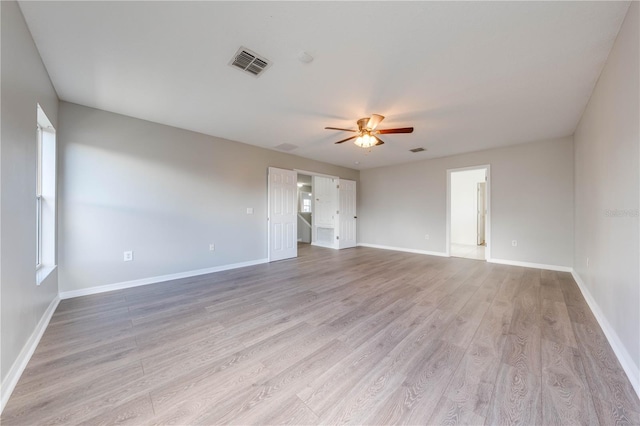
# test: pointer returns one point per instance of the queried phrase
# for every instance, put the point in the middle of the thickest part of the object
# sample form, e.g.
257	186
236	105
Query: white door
283	220
347	214
482	211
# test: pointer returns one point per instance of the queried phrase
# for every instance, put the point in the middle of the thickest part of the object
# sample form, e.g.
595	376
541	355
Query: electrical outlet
212	247
249	210
128	256
514	243
426	236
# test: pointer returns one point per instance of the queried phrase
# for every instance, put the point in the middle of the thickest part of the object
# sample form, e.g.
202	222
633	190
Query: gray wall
163	192
25	83
607	179
531	201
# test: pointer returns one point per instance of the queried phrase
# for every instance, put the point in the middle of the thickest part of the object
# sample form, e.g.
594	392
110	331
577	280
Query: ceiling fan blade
347	139
338	128
380	141
374	121
398	130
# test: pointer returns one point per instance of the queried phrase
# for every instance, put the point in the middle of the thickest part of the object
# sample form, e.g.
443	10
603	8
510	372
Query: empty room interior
320	212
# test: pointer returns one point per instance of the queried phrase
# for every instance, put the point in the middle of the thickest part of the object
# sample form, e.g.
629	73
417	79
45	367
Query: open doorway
305	208
468	212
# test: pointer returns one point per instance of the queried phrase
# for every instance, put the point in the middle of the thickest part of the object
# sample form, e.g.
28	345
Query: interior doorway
305	208
309	208
468	225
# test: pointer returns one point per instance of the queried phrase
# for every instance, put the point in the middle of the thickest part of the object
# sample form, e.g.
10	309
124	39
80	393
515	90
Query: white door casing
347	214
482	210
283	217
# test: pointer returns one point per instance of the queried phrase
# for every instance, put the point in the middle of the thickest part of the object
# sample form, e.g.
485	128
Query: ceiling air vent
250	62
417	150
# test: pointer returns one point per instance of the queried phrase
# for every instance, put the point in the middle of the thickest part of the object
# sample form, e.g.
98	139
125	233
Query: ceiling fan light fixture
367	129
365	141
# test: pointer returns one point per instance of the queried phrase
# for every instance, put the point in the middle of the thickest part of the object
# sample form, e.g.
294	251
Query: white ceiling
467	75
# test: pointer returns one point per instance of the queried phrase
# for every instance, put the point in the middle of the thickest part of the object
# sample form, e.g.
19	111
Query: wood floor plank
135	412
605	376
275	389
358	399
413	402
290	412
516	398
195	400
565	393
77	402
452	413
474	380
170	392
359	336
615	412
330	387
556	325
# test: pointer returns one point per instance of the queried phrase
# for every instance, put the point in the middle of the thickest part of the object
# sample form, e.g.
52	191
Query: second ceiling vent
250	62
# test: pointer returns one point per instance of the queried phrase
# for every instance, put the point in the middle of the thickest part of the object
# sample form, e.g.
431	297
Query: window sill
43	272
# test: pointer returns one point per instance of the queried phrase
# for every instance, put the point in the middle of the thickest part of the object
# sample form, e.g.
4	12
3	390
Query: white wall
163	192
25	83
531	201
464	206
607	191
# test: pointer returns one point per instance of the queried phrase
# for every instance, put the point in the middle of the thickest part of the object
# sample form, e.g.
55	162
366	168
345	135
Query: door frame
308	173
482	185
300	172
313	191
487	230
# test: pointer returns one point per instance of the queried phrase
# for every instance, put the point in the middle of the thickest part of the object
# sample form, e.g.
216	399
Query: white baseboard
628	365
532	265
27	351
155	280
407	250
324	245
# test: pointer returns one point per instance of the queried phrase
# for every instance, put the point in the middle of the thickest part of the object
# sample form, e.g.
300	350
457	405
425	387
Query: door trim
308	173
483	186
487	167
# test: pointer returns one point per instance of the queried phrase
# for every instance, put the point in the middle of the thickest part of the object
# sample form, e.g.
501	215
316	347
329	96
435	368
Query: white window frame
39	197
45	192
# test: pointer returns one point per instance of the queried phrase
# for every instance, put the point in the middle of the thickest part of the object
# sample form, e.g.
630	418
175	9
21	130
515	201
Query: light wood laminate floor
360	336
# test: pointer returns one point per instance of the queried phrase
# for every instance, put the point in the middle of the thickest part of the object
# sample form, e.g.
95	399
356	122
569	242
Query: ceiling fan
367	134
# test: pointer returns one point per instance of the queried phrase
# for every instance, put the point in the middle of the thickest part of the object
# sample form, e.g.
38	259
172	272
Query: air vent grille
249	62
417	150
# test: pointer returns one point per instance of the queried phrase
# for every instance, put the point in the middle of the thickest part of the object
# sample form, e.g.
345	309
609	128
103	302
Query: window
45	196
306	205
39	197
